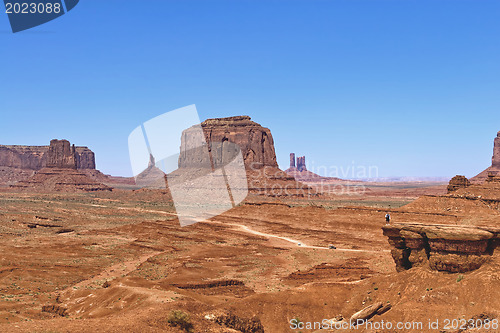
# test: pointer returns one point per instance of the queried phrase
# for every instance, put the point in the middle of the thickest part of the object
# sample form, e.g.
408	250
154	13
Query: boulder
367	313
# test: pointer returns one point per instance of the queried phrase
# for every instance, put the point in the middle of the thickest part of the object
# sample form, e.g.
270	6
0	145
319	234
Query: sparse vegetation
180	319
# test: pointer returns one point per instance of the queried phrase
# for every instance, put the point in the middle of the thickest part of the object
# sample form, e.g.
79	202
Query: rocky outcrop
301	164
35	157
458	182
447	248
152	177
255	142
60	174
494	169
61	155
224	139
234	322
495	160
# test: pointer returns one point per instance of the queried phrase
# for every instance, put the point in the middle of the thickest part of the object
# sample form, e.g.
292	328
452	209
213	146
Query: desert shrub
180	319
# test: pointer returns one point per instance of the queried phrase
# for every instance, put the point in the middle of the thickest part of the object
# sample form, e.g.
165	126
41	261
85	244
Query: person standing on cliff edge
387	218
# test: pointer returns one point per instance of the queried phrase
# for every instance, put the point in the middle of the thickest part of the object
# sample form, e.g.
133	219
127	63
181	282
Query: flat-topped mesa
60	173
496	152
448	248
35	157
62	155
256	142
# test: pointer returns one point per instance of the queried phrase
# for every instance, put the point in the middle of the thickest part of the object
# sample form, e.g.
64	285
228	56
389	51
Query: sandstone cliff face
35	157
60	173
444	248
292	160
495	163
61	155
496	152
301	163
256	142
223	137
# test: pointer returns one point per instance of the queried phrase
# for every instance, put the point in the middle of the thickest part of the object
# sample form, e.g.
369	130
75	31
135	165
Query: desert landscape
82	251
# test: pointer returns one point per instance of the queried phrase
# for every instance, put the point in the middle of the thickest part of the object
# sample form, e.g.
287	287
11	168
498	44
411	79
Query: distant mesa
494	169
255	141
257	148
61	173
21	162
223	137
35	157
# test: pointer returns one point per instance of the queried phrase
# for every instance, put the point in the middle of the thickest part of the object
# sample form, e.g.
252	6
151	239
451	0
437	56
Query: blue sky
411	87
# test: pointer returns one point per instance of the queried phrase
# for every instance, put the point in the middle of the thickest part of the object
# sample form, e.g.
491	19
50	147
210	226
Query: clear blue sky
412	87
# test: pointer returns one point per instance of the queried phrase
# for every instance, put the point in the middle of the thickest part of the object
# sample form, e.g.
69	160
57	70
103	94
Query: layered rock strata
458	182
444	247
61	174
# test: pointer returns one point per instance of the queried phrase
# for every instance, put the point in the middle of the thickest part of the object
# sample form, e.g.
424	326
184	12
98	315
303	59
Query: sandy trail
245	229
290	240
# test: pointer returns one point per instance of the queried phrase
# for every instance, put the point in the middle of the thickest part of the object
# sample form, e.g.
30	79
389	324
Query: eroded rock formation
60	174
35	157
447	248
225	137
61	155
495	161
256	142
494	169
301	163
458	182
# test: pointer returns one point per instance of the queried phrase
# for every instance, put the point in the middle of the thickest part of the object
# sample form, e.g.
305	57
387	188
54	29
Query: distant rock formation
256	142
223	136
448	248
61	155
152	177
60	174
494	169
301	164
35	157
458	182
495	160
